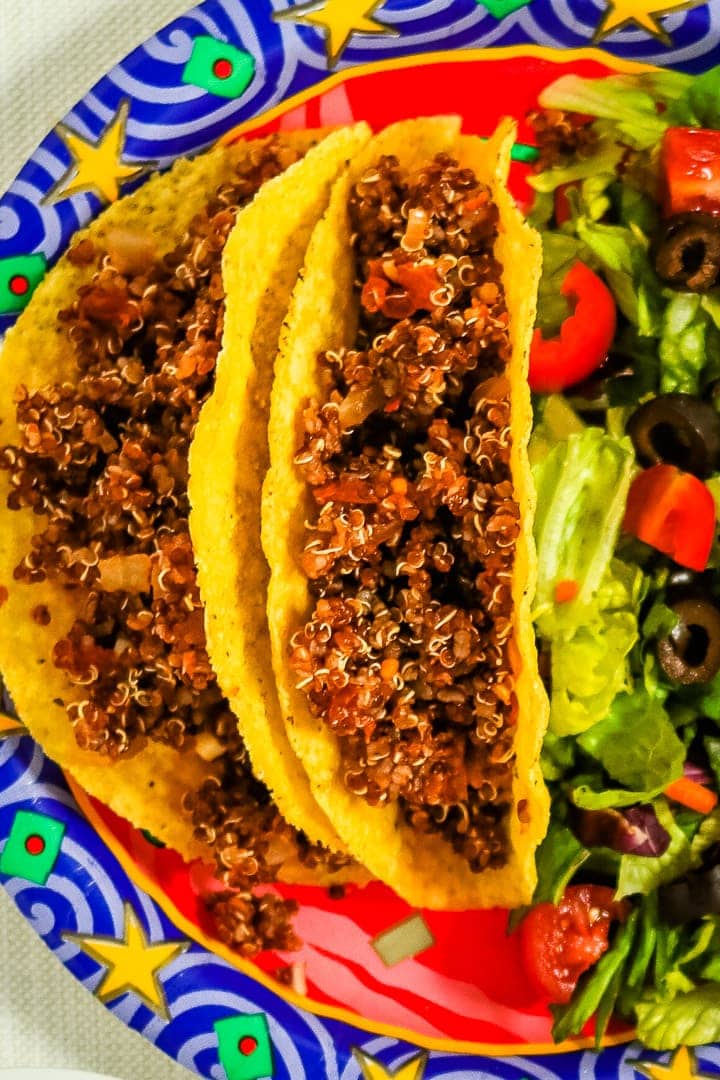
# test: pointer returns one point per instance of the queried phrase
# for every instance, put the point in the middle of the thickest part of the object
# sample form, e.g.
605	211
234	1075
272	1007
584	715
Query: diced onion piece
129	573
130	252
208	747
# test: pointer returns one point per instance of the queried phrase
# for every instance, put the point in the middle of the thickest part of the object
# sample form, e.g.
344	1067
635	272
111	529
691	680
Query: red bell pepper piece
584	339
690	159
674	512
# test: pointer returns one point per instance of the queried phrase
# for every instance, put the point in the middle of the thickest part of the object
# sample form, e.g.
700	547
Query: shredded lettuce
689	336
559	856
690	1019
607	156
637	745
582	488
699	103
619	98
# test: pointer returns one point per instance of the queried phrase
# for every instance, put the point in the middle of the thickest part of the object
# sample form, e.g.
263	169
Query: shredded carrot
691	794
566	591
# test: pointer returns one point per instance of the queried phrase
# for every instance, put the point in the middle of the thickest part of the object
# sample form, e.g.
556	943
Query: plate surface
462	997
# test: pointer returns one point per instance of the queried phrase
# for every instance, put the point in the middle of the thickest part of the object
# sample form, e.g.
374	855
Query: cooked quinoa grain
410	552
105	461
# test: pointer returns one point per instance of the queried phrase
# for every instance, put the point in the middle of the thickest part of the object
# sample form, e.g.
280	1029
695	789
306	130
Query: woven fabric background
51	52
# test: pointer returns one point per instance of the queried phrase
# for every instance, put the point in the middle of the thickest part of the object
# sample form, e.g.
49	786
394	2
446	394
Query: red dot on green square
244	1047
219	68
500	8
32	847
19	277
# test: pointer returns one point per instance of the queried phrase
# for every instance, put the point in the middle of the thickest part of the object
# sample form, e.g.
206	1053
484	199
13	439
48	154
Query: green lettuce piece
691	1019
699	104
637	745
619	98
639	874
589	658
588	797
623	253
582	488
557	859
689	336
707	834
604	160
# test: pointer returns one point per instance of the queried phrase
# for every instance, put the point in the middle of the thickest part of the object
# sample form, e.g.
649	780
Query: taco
228	461
397	520
102	642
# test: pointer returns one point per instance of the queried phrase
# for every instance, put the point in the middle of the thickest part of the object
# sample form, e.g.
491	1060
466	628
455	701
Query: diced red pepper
584	339
674	512
690	159
566	591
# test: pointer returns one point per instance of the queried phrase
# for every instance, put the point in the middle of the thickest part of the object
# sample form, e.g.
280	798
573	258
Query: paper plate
121	913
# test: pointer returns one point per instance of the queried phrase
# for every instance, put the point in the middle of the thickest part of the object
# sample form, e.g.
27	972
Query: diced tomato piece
560	942
690	159
674	512
584	339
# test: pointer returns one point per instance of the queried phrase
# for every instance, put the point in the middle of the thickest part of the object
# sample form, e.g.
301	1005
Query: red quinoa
561	136
104	460
410	554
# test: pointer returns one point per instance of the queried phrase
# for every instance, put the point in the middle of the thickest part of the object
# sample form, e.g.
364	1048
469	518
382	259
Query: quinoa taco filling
104	460
406	656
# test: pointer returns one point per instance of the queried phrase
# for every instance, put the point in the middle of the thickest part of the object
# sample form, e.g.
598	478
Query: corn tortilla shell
230	456
146	788
423	869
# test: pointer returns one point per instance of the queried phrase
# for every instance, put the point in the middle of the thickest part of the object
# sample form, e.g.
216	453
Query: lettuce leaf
699	104
691	1019
582	488
559	856
619	98
637	745
689	336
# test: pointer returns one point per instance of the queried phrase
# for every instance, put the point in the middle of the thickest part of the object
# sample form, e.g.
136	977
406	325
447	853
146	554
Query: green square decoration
19	277
32	847
219	68
244	1047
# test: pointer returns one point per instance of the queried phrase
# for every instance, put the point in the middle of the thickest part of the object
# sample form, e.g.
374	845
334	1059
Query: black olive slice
687	255
691	651
678	429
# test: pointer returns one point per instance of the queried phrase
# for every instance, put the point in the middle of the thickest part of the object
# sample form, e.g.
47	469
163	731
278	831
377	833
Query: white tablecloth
51	52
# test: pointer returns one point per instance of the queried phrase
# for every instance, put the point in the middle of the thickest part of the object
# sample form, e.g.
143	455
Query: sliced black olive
687	255
692	897
678	429
691	651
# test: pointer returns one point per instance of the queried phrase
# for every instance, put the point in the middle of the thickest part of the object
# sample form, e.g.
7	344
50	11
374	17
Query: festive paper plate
391	992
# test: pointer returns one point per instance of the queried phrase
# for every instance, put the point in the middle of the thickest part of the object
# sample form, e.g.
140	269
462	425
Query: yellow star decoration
681	1067
97	165
132	964
643	12
373	1070
340	19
